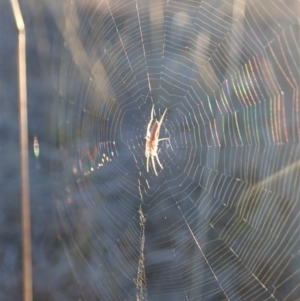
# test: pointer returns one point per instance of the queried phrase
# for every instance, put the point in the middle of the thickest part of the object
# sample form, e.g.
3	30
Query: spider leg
150	123
162	118
159	125
158	162
147	163
146	148
153	163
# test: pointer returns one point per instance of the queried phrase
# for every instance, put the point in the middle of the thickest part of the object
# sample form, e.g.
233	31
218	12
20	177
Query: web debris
140	279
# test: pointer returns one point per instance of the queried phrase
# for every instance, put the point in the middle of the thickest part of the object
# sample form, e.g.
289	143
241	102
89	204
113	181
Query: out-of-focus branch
26	227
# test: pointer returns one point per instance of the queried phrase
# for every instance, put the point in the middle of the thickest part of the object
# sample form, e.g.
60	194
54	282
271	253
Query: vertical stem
26	227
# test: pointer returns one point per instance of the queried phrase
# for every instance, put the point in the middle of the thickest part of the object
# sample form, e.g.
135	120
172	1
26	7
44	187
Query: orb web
220	220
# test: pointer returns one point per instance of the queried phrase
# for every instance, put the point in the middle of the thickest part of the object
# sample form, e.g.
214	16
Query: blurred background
220	220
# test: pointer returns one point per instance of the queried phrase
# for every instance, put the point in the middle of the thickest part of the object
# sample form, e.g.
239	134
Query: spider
152	140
